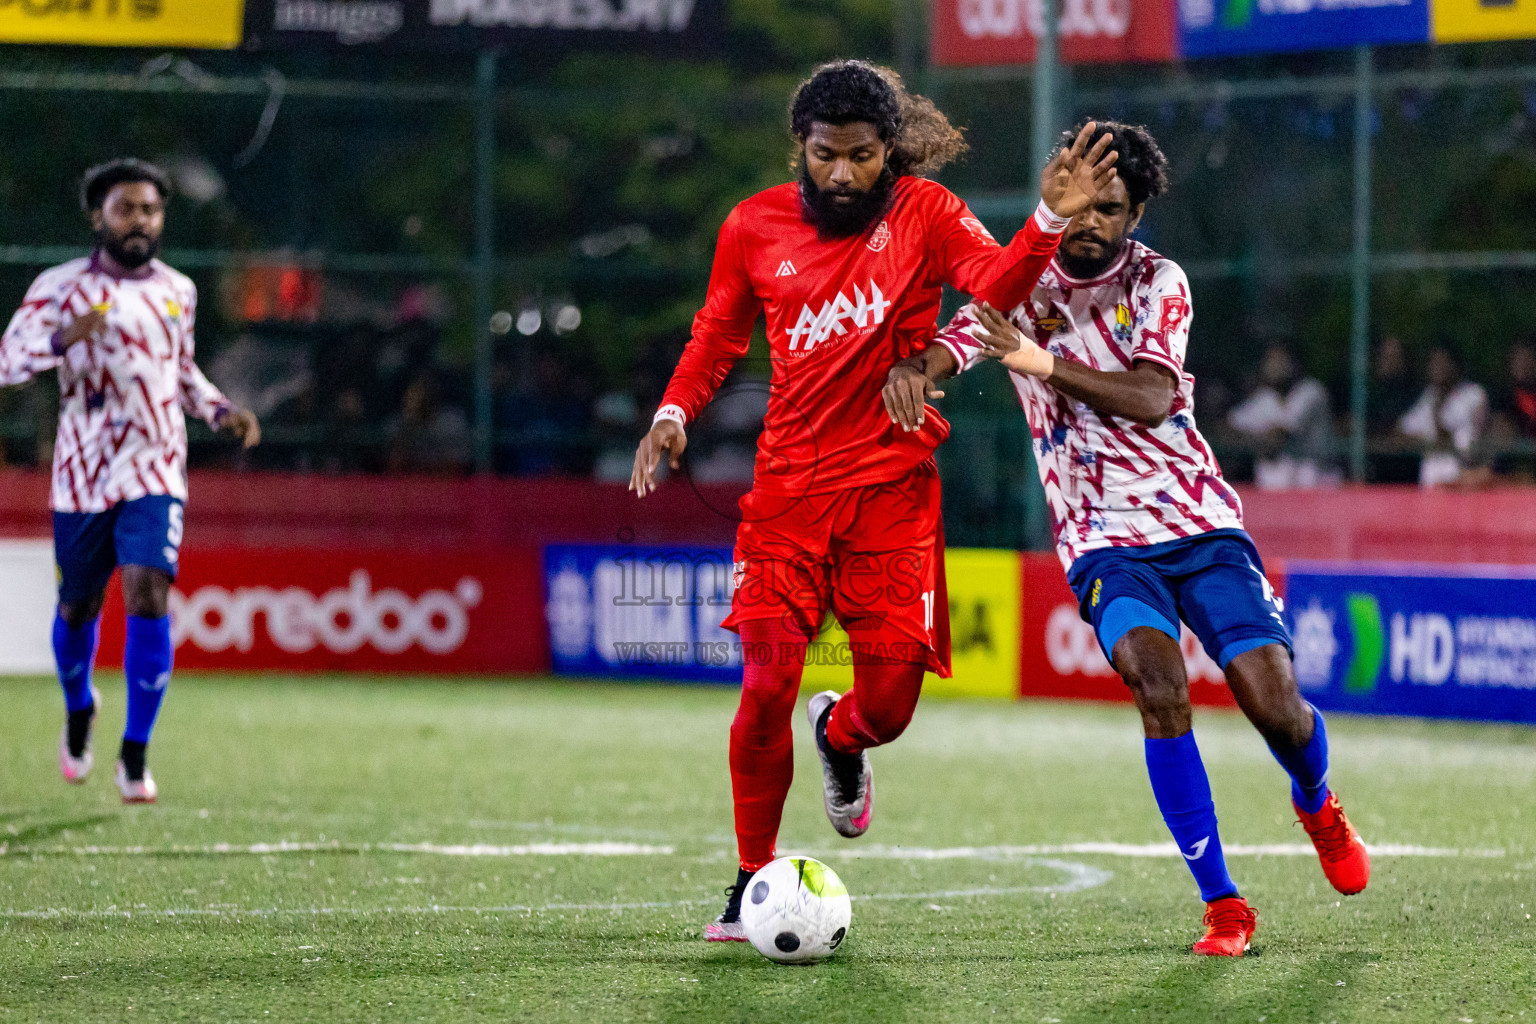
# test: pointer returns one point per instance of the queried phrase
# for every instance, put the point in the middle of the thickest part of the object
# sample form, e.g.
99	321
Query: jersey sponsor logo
786	269
881	238
1175	312
836	314
341	620
977	228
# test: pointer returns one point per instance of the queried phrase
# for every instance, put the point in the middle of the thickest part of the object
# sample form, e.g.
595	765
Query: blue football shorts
1215	582
87	546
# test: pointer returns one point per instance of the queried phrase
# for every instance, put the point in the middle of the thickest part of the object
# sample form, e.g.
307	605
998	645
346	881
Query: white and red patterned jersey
1112	482
122	432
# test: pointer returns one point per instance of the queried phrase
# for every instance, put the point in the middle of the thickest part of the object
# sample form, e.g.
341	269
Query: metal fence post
485	256
1037	523
1360	268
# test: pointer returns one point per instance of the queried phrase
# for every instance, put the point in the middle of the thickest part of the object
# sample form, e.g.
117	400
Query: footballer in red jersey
847	265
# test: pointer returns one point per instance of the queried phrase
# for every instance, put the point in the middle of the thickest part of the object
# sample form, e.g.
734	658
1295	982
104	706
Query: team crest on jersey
1053	321
881	238
173	309
1175	312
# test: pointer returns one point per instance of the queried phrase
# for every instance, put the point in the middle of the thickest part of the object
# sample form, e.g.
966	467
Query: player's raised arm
722	331
971	259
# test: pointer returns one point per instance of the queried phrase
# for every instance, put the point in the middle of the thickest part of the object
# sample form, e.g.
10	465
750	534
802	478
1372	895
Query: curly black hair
1142	165
102	178
920	138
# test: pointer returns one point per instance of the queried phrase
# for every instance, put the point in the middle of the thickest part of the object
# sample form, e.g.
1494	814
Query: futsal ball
796	911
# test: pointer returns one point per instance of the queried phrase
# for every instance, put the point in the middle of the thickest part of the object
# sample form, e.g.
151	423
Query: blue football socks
1184	796
1308	767
147	663
74	652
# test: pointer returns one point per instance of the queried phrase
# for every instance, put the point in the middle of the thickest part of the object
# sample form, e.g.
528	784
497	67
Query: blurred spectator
1287	420
549	417
1448	418
1517	411
428	437
1394	388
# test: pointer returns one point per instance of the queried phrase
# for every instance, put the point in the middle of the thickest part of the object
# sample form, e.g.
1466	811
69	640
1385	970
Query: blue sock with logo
147	663
1308	767
74	652
1184	796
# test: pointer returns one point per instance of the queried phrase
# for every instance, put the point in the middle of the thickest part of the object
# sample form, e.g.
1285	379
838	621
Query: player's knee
146	592
1161	695
77	614
888	721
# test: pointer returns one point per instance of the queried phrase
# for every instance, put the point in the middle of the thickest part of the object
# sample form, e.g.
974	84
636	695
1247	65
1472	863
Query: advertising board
1433	641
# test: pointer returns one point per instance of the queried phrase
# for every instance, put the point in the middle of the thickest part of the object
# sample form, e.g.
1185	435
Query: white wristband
1047	221
670	412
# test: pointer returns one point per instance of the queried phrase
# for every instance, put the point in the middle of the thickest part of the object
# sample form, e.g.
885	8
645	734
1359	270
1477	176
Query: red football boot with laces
1342	852
1229	925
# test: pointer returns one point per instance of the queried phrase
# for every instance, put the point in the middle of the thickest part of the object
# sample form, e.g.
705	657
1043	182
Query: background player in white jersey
117	325
1149	532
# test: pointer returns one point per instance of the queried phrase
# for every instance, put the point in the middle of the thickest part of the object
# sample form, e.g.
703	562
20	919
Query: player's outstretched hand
1001	340
82	328
1073	179
242	423
907	387
666	436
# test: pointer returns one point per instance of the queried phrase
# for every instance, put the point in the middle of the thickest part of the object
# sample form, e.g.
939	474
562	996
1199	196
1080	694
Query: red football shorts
873	554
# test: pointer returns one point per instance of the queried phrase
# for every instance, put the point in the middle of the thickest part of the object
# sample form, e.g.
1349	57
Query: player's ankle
132	755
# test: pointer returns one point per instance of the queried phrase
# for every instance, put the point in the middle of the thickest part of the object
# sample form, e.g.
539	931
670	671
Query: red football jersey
840	313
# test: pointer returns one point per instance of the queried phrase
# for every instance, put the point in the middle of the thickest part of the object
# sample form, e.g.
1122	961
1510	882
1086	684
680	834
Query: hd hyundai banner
998	32
1434	641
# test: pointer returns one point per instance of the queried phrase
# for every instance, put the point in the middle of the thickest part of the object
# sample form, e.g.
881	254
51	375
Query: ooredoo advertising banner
1060	656
372	610
1435	641
983	32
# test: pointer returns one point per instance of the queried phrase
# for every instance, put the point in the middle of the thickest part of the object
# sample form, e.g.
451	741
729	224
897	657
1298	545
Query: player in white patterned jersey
117	325
1149	532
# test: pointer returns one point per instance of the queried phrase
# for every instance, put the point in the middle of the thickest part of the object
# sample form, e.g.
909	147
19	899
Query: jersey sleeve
198	395
29	345
956	336
722	330
970	259
1163	316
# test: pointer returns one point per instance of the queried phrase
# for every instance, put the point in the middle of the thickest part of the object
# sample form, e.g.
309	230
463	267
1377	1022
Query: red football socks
878	708
762	746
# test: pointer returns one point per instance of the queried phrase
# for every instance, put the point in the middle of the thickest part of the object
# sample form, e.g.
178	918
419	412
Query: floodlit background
449	252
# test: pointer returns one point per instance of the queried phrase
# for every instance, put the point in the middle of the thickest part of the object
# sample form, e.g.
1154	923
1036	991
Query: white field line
628	849
1079	877
1004	853
604	849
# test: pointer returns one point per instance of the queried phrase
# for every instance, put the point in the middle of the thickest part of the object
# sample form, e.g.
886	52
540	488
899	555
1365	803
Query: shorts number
173	534
928	611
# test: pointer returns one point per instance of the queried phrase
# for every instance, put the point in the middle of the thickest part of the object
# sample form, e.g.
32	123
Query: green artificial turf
132	914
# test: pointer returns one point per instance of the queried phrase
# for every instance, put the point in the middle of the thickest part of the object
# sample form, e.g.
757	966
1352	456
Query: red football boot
1342	852
1229	925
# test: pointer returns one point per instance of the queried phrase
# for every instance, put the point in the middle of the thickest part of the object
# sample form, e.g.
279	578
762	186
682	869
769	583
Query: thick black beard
1087	270
121	255
844	220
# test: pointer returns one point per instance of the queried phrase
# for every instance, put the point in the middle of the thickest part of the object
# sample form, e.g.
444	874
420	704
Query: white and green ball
796	911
